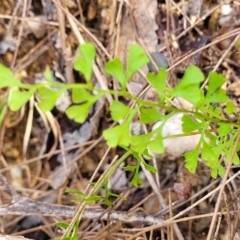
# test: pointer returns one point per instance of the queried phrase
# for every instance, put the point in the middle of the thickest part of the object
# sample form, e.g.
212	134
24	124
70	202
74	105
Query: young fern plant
205	112
206	109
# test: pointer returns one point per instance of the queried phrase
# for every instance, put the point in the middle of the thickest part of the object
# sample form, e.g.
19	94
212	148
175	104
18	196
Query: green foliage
18	98
93	198
48	98
156	145
139	143
189	124
107	194
189	86
7	78
158	81
217	135
85	60
207	111
149	115
136	180
191	159
115	69
3	109
119	111
230	108
119	135
79	112
214	92
62	224
137	58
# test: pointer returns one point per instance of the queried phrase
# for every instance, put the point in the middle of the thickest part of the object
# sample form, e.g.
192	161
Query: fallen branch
8	237
21	205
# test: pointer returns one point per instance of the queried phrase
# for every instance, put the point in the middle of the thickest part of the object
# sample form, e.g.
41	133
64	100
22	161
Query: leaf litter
62	154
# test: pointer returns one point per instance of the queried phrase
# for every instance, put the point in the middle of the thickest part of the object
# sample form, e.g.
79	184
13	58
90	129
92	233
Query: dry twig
21	205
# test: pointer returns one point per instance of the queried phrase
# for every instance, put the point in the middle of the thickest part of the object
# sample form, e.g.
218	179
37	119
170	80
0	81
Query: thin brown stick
19	33
21	205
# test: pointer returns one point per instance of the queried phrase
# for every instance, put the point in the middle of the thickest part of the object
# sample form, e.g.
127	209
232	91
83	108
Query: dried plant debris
37	35
183	190
194	9
81	133
9	237
37	25
7	44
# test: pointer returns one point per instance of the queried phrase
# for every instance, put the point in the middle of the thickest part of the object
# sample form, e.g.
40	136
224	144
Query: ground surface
43	155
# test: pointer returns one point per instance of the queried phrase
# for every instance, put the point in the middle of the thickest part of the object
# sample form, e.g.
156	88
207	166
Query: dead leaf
37	26
194	9
144	13
7	44
80	135
183	190
234	88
